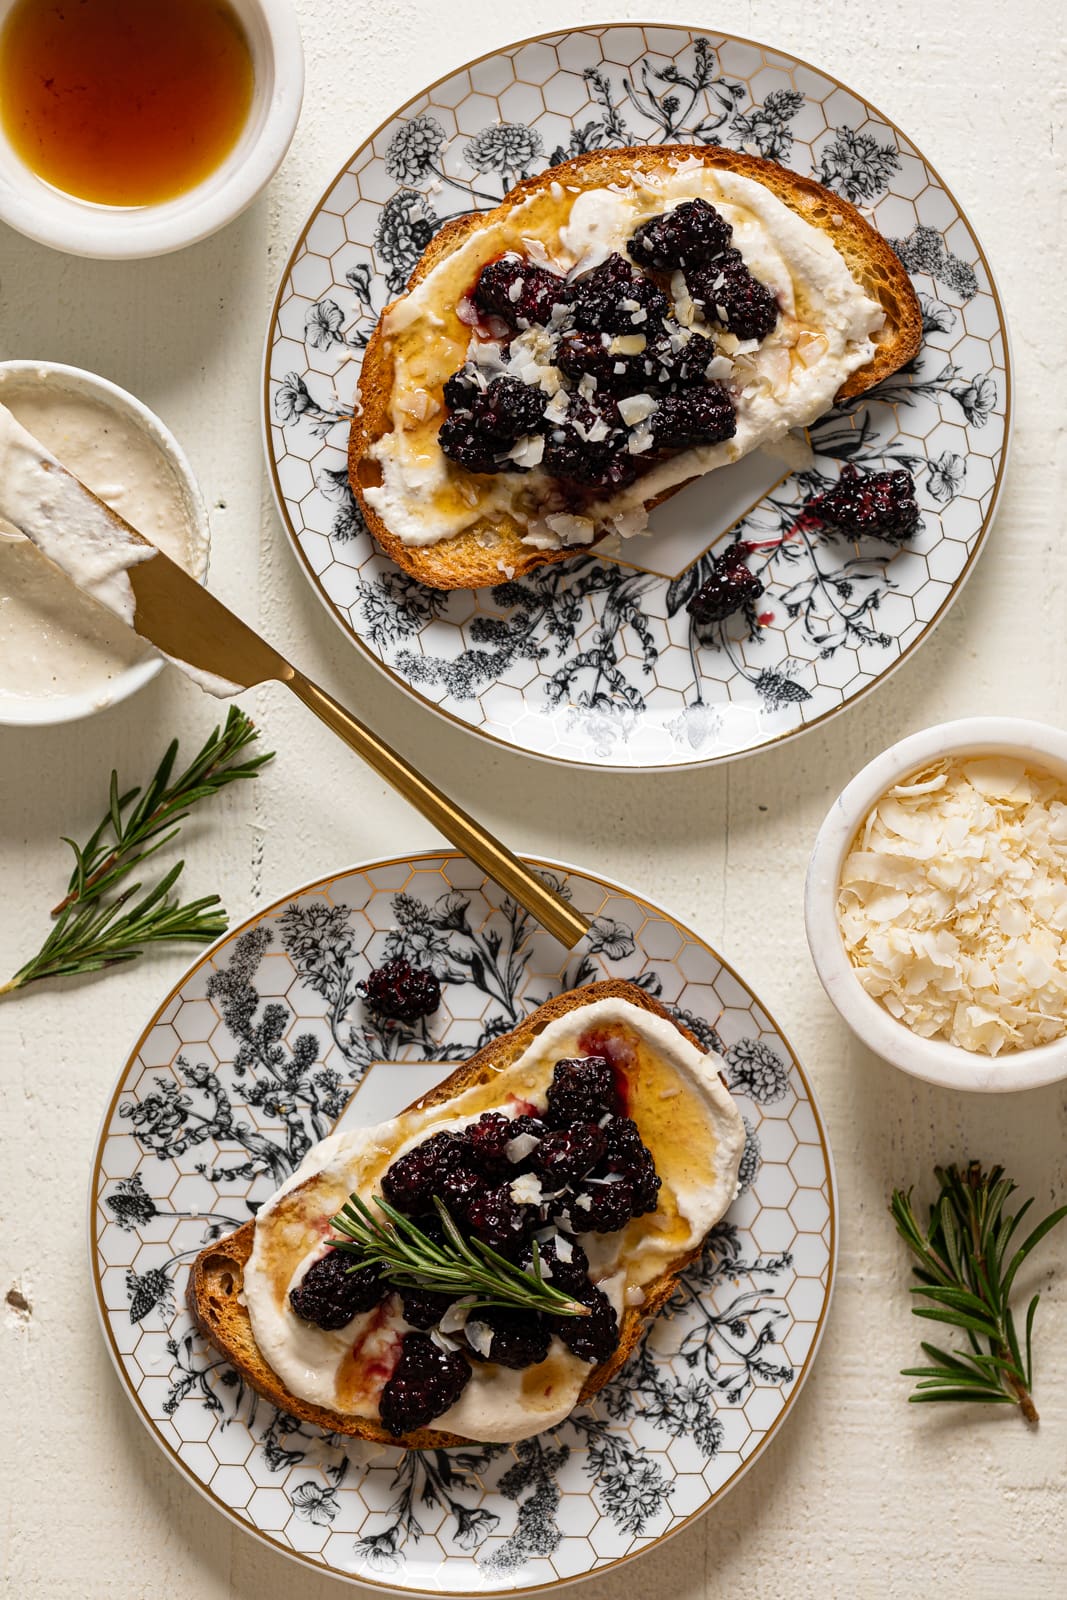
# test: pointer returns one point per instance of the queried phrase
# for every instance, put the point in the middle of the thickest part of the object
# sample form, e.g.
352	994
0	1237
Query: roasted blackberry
881	504
730	588
593	1338
497	1220
426	1381
567	1274
589	448
470	448
508	409
610	1207
566	1155
682	367
459	1190
487	1143
580	354
330	1295
582	1090
415	1177
461	388
401	992
731	296
520	1338
694	417
532	301
614	298
629	1156
423	1308
687	236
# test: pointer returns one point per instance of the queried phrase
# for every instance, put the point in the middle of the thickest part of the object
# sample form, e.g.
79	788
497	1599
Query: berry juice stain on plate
122	103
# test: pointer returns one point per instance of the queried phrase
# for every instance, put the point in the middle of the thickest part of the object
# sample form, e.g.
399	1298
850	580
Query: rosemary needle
965	1271
455	1266
101	921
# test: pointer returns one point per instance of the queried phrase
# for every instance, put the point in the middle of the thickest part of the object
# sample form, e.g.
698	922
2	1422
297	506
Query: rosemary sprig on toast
94	926
456	1266
965	1271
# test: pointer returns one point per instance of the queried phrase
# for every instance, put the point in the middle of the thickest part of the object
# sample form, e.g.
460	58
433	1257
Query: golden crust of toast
217	1275
469	560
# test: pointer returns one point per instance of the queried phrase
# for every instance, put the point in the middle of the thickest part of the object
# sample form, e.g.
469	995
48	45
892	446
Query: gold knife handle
513	876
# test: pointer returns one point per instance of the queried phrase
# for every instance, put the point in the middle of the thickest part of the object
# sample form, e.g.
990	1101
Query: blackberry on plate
423	1308
730	588
694	417
881	504
401	992
593	1338
582	1090
520	1338
518	292
628	1155
603	1207
487	1143
426	1382
497	1220
568	1154
331	1296
690	234
415	1177
732	296
614	298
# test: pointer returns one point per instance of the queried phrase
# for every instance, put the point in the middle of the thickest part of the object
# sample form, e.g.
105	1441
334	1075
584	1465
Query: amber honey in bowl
124	102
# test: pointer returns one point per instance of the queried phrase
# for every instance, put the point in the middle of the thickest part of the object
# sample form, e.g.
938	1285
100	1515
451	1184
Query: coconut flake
571	530
523	1145
479	1335
635	408
528	450
448	1345
953	904
584	1202
526	1189
455	1318
564	1249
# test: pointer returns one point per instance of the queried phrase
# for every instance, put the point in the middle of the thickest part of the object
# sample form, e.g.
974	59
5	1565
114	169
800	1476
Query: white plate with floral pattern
264	1047
597	662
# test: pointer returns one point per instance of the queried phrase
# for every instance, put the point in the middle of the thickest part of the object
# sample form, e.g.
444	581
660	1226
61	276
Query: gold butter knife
105	556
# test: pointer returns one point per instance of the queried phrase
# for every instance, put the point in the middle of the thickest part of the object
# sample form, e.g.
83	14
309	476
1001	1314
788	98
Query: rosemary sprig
98	924
966	1273
458	1266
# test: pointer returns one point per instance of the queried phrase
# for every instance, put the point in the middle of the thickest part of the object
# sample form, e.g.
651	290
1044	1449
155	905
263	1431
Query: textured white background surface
861	1494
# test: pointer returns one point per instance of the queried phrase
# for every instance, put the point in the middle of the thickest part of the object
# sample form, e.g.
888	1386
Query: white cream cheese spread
824	333
56	639
696	1141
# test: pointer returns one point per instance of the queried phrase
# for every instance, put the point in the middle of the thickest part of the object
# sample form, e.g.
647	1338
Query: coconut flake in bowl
936	904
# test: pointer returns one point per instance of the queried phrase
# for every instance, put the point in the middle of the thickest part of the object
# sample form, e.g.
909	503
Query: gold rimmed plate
261	1050
597	662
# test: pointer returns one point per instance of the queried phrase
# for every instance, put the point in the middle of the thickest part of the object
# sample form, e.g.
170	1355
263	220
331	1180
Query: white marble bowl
113	233
934	1060
25	710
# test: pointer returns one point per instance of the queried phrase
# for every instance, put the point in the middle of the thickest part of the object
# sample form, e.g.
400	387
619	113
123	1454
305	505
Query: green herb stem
458	1267
966	1274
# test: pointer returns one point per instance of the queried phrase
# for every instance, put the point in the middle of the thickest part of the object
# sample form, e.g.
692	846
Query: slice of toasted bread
216	1279
479	555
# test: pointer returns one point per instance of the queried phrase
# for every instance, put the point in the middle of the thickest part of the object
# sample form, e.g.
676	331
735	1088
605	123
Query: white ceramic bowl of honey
936	1060
135	127
63	656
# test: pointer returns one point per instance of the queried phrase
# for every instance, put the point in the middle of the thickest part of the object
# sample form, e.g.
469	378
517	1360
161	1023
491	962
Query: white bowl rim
112	234
23	711
934	1060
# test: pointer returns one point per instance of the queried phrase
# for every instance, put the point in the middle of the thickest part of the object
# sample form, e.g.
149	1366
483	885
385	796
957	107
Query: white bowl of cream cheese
112	232
986	746
62	655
